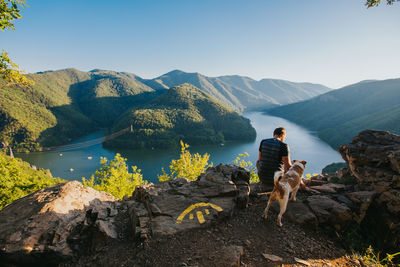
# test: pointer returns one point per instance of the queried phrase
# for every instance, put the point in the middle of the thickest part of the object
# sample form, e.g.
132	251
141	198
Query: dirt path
205	247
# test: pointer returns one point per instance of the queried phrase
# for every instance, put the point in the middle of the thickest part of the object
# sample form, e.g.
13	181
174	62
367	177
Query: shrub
187	166
113	177
248	165
18	179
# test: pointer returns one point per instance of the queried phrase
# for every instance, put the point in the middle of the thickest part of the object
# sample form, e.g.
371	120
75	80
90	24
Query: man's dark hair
279	131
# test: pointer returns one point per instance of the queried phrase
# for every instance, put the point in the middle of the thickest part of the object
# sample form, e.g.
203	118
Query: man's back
272	150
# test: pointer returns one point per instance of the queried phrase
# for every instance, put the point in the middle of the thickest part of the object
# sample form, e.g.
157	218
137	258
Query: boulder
330	212
179	205
299	213
56	222
373	158
362	201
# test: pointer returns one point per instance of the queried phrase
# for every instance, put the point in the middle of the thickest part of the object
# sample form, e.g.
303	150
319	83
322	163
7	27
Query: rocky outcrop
58	222
367	193
373	158
178	205
68	219
65	220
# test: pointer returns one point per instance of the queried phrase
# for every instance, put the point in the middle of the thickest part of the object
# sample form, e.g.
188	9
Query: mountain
65	104
239	92
185	113
339	115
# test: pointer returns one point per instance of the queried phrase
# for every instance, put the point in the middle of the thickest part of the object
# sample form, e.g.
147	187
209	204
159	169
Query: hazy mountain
339	115
241	92
183	113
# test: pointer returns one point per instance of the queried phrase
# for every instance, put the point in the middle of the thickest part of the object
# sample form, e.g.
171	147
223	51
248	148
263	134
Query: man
274	155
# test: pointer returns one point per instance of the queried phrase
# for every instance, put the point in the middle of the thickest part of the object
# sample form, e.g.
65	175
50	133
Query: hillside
183	113
18	179
65	104
339	115
240	92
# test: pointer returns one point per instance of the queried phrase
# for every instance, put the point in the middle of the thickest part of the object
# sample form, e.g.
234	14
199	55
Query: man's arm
287	163
259	155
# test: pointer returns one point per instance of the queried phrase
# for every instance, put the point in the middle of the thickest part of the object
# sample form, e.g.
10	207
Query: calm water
85	160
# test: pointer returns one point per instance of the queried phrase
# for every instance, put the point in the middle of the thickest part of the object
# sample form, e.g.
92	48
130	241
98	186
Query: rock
323	188
302	261
343	172
272	257
373	158
179	205
57	222
228	256
328	211
363	200
298	213
345	200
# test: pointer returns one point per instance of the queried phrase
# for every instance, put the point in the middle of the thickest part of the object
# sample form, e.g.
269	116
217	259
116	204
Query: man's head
280	133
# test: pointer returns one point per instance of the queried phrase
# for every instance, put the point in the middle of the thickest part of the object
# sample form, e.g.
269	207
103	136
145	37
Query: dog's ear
304	162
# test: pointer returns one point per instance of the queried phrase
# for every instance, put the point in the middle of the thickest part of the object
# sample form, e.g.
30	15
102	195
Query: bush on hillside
248	165
187	166
18	179
114	177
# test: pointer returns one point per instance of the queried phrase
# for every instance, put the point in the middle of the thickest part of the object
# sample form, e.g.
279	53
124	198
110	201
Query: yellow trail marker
207	211
197	205
200	216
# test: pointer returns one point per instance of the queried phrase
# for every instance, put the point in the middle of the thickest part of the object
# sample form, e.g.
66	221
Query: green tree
373	3
9	71
113	177
187	166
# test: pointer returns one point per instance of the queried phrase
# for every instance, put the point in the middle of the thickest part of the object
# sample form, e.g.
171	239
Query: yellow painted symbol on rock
199	214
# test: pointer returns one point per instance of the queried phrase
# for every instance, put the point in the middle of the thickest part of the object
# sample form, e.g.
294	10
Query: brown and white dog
284	184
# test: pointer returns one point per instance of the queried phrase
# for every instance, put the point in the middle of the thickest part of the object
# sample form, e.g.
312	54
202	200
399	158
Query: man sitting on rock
274	155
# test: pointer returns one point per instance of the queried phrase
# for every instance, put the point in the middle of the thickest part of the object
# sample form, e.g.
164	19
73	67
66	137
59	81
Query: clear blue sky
322	41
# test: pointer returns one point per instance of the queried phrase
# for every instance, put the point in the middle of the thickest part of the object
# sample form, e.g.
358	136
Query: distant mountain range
240	92
185	113
69	103
339	115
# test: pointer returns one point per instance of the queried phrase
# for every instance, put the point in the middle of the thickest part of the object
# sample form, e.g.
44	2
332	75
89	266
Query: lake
83	155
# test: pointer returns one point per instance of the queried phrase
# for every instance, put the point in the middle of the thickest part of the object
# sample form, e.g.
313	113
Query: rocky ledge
66	220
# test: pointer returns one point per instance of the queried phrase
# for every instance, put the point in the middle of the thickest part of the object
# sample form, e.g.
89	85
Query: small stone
247	242
272	257
291	245
302	261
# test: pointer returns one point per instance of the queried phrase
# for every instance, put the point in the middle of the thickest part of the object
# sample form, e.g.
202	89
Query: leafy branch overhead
9	71
373	3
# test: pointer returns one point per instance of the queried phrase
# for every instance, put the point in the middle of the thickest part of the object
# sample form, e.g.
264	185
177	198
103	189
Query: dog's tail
277	177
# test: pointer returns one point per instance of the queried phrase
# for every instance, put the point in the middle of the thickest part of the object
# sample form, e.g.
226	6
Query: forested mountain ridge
339	115
183	113
65	104
240	92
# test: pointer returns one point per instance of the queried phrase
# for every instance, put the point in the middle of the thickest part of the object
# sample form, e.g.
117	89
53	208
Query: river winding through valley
82	162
